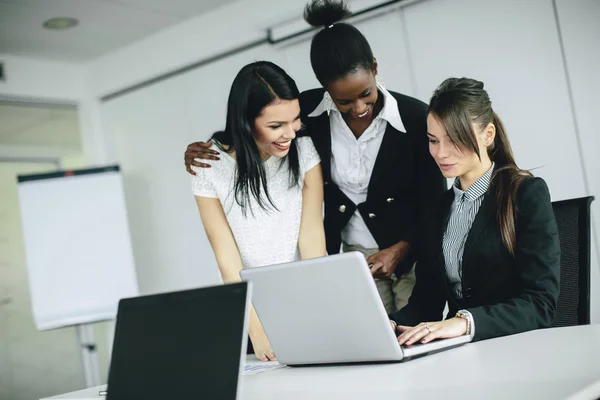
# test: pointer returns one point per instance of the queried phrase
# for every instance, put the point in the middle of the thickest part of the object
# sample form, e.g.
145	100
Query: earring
328	102
380	83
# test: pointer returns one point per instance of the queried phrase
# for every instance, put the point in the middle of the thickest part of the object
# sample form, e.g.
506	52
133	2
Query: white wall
41	80
47	82
97	146
168	242
580	28
527	88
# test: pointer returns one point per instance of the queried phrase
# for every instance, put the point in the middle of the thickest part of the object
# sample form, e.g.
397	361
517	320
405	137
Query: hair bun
324	13
464	83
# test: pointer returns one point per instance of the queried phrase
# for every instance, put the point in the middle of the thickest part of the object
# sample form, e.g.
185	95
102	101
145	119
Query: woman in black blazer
490	246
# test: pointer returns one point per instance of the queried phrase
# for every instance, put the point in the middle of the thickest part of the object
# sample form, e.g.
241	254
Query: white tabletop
548	364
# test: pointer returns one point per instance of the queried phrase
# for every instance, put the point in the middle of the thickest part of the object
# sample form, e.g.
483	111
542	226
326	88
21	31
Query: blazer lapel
387	155
484	217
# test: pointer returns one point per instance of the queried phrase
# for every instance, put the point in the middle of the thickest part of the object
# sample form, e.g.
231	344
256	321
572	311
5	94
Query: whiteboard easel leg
89	354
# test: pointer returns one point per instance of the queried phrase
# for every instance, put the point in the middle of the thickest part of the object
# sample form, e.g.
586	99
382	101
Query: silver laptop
326	311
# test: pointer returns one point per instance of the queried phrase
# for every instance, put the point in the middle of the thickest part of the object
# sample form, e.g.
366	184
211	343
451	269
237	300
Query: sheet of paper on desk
252	369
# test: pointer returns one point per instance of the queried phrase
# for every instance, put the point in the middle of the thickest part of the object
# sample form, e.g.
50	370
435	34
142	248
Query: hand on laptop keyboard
425	332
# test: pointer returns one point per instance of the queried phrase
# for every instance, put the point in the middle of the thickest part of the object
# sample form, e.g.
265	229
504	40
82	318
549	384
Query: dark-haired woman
377	170
262	204
490	247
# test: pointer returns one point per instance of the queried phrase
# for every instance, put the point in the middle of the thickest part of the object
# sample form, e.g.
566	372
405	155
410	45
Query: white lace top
263	237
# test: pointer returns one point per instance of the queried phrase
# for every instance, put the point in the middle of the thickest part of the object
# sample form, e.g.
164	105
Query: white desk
545	364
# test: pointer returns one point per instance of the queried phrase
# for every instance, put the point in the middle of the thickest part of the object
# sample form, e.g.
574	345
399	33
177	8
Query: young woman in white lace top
262	204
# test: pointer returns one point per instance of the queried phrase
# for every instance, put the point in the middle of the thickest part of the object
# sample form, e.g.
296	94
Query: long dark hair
256	86
457	104
339	48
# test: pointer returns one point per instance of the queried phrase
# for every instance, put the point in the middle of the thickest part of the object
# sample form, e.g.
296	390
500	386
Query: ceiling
41	127
104	25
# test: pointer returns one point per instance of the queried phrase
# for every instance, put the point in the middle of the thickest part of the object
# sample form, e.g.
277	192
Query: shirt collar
477	189
389	112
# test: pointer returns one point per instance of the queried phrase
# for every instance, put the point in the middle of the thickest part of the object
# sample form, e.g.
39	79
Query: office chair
574	226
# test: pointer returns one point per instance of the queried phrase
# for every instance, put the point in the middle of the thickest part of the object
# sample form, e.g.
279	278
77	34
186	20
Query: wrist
401	246
401	249
464	325
468	320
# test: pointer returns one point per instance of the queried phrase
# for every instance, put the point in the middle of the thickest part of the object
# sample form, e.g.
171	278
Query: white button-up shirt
353	160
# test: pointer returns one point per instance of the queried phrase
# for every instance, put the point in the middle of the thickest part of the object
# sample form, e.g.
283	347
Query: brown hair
457	104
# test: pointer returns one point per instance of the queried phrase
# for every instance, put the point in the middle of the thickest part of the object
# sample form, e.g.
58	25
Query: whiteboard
77	245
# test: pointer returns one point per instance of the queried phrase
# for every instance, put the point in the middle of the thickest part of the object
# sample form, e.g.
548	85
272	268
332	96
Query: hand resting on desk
262	346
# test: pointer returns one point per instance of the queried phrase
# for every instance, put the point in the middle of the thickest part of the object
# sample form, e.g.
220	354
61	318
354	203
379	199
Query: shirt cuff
471	323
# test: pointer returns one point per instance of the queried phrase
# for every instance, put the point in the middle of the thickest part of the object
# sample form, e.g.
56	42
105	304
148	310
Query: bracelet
466	318
395	324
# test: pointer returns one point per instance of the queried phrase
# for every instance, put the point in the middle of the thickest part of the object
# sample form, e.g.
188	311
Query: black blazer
505	295
404	178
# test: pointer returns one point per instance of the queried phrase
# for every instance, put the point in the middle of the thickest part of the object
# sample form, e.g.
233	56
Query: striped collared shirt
463	210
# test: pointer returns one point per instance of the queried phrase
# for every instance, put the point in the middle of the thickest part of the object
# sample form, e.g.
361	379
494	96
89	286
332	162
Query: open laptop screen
184	344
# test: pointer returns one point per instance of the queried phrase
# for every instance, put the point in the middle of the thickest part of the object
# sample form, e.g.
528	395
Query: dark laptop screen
179	345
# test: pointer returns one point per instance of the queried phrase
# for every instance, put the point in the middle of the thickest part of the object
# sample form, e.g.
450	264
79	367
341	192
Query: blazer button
326	183
467	293
390	200
372	216
342	208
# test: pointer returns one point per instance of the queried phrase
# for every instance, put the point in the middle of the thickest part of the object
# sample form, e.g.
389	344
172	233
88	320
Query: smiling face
356	95
276	127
